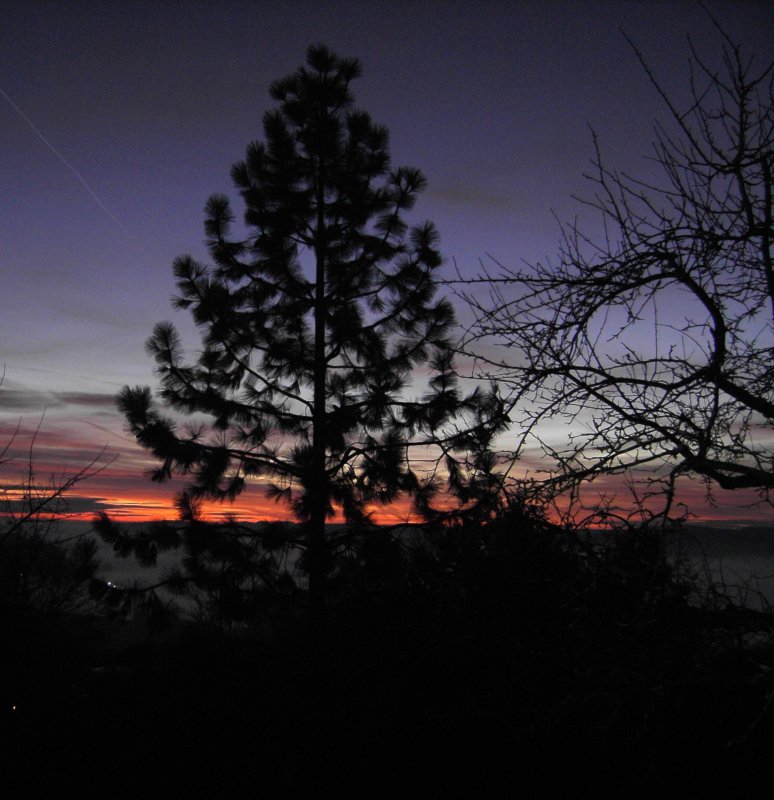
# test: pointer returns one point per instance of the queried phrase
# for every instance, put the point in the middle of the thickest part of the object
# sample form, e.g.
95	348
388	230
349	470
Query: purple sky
119	120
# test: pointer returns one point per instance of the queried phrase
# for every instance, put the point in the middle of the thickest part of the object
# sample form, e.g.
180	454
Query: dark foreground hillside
500	661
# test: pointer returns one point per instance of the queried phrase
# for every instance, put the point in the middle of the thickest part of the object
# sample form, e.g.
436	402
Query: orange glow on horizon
124	491
118	495
153	507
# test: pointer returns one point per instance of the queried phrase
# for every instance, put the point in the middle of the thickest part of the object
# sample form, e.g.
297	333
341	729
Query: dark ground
523	670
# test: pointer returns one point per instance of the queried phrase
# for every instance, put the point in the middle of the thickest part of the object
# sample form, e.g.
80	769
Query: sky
119	120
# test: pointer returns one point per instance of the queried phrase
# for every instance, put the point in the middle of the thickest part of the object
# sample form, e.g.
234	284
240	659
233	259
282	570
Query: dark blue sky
119	120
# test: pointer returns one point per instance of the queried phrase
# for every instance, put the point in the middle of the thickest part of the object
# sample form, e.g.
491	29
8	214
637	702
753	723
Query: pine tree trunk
318	488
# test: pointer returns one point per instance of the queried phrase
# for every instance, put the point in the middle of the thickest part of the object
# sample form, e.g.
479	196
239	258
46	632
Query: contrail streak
65	162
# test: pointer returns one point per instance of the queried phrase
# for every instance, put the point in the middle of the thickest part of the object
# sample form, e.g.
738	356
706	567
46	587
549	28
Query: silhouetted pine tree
312	325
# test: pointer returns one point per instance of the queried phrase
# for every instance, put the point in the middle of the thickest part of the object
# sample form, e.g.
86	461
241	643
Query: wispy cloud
471	196
11	367
33	400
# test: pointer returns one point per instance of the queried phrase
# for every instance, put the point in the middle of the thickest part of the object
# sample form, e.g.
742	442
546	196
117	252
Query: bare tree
655	340
43	568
